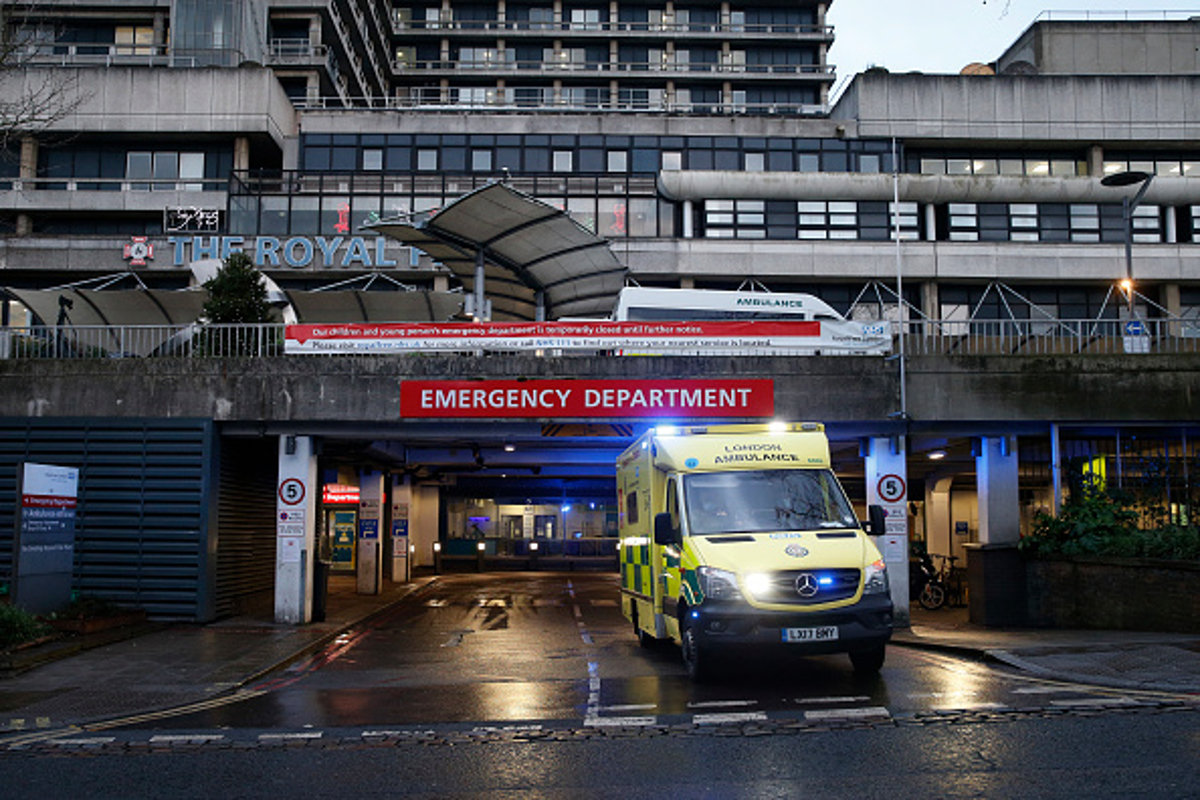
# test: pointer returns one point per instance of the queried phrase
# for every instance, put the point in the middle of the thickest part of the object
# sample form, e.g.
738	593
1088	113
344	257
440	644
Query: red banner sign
666	399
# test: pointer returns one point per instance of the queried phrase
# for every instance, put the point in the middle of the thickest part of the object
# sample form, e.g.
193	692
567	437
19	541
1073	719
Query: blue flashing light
825	580
667	430
566	509
694	614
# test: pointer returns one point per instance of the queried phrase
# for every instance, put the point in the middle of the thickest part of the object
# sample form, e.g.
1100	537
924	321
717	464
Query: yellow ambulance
735	536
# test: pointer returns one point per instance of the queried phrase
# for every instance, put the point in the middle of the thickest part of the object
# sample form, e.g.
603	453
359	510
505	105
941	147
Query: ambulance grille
806	587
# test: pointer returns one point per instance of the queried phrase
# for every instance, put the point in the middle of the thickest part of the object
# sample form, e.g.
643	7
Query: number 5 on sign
291	491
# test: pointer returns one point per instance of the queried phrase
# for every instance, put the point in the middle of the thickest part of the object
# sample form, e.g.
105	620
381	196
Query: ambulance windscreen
765	501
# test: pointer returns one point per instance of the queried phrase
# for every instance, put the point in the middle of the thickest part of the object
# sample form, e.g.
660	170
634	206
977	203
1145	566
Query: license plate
826	633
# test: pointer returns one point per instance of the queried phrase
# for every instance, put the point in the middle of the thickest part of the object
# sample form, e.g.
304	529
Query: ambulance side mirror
665	533
876	520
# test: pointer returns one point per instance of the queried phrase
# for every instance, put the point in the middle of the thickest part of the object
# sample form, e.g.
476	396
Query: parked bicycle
937	584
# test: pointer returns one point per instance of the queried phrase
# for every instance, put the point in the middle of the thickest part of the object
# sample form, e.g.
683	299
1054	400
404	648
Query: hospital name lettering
296	252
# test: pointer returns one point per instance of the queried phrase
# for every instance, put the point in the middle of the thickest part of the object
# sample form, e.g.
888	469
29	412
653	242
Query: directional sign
1135	327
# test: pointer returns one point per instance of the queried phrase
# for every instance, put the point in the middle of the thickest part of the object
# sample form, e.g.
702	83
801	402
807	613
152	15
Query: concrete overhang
730	185
242	101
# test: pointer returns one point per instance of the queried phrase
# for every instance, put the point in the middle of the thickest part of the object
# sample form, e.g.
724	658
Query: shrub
18	625
1102	523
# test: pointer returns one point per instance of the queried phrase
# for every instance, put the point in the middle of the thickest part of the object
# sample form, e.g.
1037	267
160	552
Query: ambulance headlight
757	583
876	579
718	584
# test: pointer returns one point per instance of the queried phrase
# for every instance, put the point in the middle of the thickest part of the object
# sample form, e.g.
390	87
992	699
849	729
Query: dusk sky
946	35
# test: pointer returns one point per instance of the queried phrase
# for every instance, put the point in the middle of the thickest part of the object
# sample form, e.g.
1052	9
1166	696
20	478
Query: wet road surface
507	649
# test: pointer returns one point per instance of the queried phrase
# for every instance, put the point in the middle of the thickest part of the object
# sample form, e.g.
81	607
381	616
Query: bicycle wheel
933	596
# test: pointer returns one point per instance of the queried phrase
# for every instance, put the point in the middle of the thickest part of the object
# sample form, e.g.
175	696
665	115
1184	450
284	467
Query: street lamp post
1128	206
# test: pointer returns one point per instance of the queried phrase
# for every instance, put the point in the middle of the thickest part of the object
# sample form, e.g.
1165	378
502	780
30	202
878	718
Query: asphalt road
1110	755
541	648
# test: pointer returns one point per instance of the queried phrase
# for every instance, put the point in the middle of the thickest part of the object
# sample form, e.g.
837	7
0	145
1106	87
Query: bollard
437	558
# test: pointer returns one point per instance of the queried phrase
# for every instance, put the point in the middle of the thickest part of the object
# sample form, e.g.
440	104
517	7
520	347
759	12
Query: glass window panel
1039	168
481	160
191	165
274	217
1012	166
933	166
756	162
583	211
427	160
643	216
372	160
958	166
305	217
618	161
562	160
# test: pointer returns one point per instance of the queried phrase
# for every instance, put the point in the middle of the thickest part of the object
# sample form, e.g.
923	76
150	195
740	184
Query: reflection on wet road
508	648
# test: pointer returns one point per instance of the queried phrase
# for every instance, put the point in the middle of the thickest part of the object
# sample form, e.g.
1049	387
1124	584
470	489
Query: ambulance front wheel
696	658
868	662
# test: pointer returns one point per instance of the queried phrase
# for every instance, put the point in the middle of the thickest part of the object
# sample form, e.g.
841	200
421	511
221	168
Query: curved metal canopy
527	247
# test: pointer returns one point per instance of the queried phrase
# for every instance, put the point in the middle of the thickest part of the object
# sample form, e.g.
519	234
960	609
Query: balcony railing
551	66
783	30
434	101
1012	338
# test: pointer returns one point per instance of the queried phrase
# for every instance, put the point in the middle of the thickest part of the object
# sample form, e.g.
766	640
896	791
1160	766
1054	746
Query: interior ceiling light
937	455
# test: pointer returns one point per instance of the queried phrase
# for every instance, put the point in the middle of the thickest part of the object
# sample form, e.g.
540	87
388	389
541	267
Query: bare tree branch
32	98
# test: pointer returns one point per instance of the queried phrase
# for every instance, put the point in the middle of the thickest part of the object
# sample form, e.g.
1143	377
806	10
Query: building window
563	161
372	160
672	161
427	160
618	161
756	162
481	160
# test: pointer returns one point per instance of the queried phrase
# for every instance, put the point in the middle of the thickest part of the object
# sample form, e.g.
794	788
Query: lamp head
1128	178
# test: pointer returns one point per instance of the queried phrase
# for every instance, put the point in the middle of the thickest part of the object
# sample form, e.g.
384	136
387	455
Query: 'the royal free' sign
667	399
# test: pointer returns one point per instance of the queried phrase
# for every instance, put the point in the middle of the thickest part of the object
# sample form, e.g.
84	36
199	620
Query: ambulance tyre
696	659
868	662
644	639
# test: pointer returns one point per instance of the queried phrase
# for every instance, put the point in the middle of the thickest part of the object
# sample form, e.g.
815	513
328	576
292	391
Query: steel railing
921	338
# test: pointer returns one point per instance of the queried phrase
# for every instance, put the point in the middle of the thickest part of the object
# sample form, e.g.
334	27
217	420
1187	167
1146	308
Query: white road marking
619	722
90	740
804	701
1097	701
303	735
629	707
868	712
204	737
723	719
723	704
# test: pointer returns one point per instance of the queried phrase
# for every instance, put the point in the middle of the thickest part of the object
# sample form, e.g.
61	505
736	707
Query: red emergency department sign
668	399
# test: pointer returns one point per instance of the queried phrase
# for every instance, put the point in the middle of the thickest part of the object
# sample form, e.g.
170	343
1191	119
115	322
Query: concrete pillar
939	518
886	466
295	527
930	222
999	503
995	570
931	303
1095	161
689	228
401	514
28	170
241	154
1172	301
1171	227
370	523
